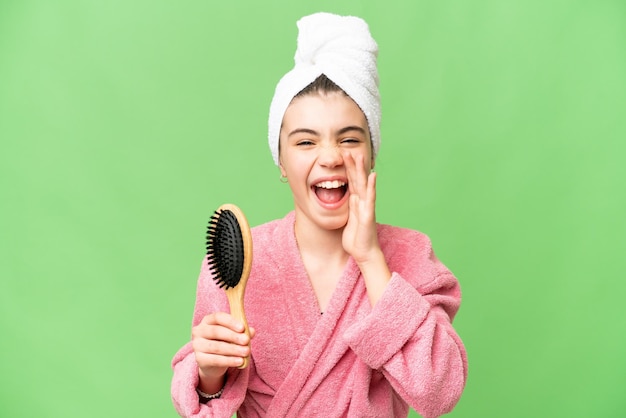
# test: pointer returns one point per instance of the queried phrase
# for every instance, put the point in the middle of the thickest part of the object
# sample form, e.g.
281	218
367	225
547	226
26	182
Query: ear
282	170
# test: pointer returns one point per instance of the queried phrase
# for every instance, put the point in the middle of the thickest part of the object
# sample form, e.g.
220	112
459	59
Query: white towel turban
341	48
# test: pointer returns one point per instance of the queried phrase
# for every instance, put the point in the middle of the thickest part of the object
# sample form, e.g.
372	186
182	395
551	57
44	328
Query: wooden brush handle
235	300
235	294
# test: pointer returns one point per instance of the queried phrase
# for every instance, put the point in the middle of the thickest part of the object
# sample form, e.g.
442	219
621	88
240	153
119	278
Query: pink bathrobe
353	360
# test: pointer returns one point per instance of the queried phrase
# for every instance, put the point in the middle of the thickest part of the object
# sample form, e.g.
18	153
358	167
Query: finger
357	178
350	171
362	174
371	189
354	207
224	319
206	360
219	333
221	348
362	206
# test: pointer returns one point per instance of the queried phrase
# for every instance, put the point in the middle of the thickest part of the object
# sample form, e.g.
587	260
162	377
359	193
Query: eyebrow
340	132
351	128
302	131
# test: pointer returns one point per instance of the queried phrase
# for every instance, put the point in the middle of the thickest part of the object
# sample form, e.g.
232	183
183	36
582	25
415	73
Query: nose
330	156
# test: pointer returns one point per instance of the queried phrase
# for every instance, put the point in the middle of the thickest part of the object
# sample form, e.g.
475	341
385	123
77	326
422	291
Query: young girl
348	317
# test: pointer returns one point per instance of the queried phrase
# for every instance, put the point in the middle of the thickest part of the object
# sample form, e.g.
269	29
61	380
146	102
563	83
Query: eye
304	143
350	141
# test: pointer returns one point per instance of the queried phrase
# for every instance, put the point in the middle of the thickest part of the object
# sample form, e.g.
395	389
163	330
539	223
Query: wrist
374	263
376	275
210	385
205	397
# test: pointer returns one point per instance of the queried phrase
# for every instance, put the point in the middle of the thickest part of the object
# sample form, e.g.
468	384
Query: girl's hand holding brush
219	342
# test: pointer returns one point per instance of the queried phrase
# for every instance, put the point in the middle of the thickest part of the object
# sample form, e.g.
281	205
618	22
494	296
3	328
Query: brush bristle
225	248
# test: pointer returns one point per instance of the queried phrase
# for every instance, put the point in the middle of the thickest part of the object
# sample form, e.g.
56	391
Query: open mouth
330	191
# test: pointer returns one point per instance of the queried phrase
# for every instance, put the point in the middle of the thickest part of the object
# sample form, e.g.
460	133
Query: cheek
291	165
366	155
369	158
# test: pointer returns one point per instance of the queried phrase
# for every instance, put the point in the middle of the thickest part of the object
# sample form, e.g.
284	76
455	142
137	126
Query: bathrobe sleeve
209	298
408	335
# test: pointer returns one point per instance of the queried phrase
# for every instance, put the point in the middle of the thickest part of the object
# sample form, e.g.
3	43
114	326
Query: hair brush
229	256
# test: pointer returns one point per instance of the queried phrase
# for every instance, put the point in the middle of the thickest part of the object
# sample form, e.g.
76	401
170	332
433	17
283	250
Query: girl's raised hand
360	239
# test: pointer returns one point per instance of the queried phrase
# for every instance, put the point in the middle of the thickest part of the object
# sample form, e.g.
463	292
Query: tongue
329	195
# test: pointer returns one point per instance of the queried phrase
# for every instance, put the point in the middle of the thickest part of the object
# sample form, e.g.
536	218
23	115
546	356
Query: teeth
335	184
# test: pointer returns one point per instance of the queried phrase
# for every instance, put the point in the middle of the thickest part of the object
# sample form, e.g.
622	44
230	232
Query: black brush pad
225	248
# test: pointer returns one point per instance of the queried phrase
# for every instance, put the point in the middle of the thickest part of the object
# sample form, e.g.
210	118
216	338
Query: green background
124	124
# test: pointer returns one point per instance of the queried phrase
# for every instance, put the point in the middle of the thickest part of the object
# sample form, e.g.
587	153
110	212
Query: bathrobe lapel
319	338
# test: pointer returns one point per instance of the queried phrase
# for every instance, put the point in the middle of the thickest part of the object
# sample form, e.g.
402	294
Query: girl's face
317	130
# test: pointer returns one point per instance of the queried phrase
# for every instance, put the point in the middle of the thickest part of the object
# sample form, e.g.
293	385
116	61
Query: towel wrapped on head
341	48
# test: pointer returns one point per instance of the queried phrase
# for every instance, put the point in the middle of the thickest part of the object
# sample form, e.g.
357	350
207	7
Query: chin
333	222
323	218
